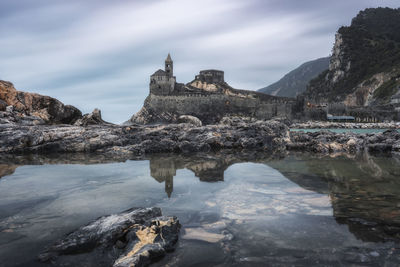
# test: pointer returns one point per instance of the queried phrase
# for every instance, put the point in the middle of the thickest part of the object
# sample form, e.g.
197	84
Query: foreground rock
328	142
133	238
35	107
137	140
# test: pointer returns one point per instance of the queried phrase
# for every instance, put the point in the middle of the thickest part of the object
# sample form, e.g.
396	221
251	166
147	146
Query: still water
235	209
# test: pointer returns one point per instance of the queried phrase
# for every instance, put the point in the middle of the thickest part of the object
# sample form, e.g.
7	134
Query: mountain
364	69
295	82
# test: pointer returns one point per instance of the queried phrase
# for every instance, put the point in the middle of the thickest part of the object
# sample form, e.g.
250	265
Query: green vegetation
371	45
386	90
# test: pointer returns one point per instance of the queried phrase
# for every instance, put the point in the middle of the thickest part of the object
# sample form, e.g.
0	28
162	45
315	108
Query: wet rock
203	235
132	238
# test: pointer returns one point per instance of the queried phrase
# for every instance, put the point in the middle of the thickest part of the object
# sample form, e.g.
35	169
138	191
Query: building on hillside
211	76
162	82
343	118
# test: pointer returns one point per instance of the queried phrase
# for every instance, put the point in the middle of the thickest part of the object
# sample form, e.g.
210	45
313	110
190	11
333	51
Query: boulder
135	237
190	119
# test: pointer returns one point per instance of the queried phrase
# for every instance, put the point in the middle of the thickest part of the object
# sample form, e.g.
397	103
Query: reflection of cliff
7	169
364	190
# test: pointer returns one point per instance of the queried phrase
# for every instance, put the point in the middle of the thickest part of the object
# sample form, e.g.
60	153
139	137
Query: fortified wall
208	97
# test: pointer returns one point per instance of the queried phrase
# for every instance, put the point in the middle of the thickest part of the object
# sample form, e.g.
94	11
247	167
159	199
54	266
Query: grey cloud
100	53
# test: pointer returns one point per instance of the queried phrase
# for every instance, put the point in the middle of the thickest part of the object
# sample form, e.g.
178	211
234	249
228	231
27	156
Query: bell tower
169	66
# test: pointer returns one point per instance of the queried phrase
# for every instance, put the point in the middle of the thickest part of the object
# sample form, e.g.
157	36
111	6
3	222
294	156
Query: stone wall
211	108
163	85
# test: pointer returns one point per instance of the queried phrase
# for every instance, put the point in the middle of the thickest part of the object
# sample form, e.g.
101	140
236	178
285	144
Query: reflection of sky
43	202
101	53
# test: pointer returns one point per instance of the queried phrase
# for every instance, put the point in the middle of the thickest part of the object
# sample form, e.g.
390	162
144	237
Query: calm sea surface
244	210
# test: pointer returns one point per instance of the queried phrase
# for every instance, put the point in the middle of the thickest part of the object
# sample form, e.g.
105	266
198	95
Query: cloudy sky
100	53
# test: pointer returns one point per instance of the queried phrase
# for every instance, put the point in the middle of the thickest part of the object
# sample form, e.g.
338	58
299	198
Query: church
162	82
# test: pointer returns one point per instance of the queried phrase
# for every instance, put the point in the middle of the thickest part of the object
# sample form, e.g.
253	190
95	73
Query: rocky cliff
38	108
364	68
295	82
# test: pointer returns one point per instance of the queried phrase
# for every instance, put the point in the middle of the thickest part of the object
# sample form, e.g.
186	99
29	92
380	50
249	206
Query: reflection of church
163	169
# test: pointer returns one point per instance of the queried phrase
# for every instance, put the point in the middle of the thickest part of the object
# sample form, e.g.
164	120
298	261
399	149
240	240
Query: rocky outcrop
329	142
45	108
12	117
365	63
132	238
93	118
232	133
137	140
344	125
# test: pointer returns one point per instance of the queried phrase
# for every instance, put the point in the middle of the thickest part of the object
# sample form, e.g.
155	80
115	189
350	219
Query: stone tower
169	66
162	82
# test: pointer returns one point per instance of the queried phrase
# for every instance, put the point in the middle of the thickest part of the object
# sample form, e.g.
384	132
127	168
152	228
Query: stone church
208	97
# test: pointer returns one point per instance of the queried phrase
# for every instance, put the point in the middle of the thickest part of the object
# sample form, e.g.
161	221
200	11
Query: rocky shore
328	142
230	133
32	123
137	140
345	125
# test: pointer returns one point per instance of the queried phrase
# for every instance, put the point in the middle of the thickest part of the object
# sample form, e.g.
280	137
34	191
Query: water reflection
362	192
207	168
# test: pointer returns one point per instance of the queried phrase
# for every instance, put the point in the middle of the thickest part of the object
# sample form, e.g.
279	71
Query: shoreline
345	125
235	134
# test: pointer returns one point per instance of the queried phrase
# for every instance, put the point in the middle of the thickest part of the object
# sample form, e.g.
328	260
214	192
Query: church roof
169	58
160	72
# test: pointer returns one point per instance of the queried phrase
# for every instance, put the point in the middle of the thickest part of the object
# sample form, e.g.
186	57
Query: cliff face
295	82
49	109
365	65
210	102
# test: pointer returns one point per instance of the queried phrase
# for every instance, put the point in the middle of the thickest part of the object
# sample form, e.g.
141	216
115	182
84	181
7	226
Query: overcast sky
100	53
